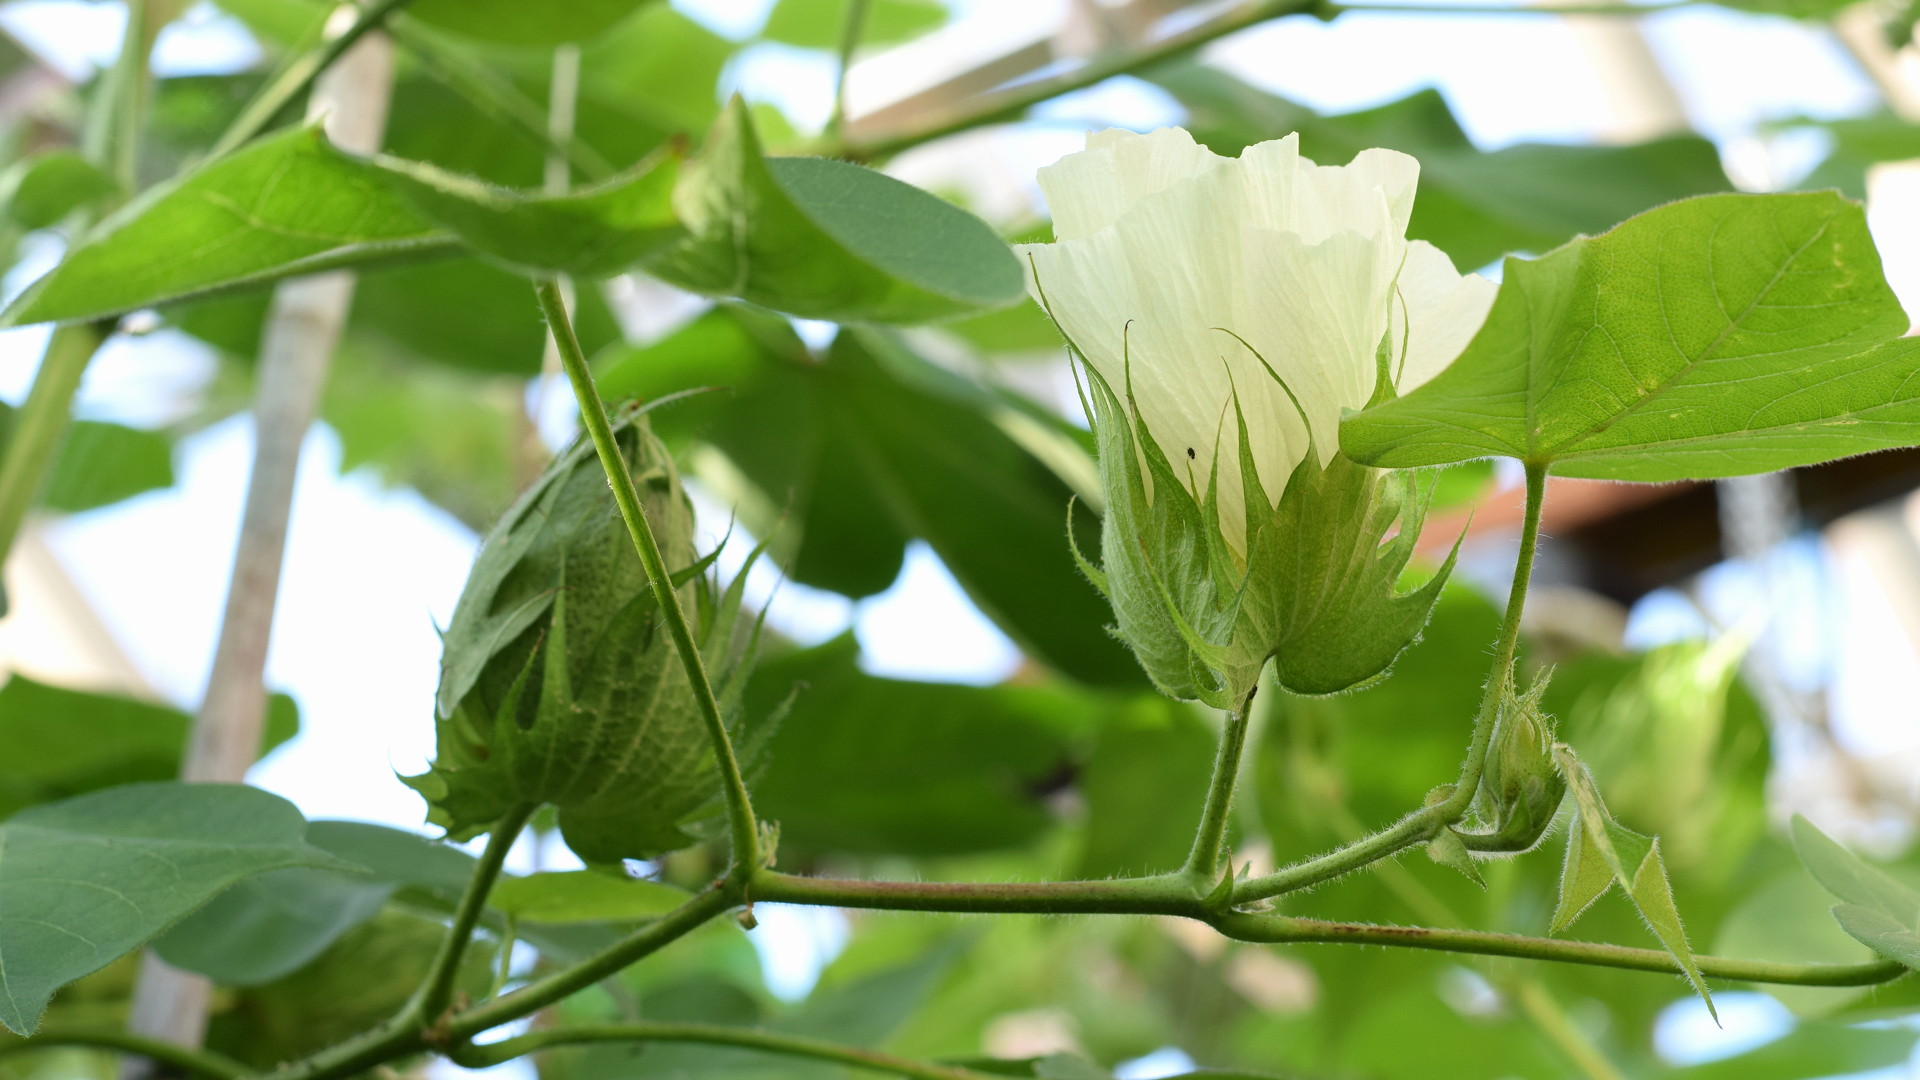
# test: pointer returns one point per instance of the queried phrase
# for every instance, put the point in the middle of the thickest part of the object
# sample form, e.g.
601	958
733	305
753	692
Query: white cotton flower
1191	263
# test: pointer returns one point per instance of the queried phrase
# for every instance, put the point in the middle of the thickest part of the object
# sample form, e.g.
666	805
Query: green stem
851	30
1203	862
436	991
543	992
1169	894
1553	1022
1013	102
197	1062
294	78
1423	824
41	424
1280	929
744	829
479	1057
115	143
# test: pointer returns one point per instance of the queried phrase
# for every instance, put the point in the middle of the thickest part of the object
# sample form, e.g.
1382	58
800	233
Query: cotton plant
1227	311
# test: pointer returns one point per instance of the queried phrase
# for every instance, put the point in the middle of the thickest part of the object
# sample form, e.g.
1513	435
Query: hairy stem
1280	929
479	1057
1170	894
436	991
297	75
1423	824
744	829
1203	862
184	1059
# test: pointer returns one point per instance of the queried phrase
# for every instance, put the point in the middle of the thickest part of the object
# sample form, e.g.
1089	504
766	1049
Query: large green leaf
583	896
271	925
61	743
87	880
1723	335
870	765
288	204
827	239
1475	206
817	24
1144	785
515	22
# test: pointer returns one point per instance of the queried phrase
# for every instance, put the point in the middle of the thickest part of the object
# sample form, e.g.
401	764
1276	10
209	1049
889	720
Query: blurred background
1531	125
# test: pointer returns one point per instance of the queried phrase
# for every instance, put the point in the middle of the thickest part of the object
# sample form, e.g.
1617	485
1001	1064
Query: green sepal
1448	850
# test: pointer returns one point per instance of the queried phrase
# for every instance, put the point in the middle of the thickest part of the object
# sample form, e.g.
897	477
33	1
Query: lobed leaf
1718	336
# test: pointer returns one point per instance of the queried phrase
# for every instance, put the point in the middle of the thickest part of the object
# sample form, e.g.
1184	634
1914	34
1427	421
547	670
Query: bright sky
370	571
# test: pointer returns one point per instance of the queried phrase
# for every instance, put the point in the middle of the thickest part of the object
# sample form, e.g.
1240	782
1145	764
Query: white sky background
370	570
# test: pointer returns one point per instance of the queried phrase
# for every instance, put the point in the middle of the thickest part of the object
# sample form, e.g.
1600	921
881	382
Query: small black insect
1190	453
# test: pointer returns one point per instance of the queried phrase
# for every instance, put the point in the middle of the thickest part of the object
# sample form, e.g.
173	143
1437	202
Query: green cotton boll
560	682
1520	786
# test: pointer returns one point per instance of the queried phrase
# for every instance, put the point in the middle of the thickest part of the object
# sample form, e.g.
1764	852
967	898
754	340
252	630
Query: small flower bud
1520	786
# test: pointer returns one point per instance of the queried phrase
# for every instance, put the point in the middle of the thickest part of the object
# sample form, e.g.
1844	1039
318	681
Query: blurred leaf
1474	206
827	239
100	464
1880	932
578	896
1809	1050
659	67
75	896
468	314
841	462
1859	143
817	24
870	765
532	26
1786	919
361	980
594	232
281	22
61	743
1144	785
271	925
1023	327
287	204
43	189
1851	878
1810	10
1723	335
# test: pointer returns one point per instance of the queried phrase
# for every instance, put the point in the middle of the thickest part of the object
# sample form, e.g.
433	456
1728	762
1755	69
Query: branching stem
744	829
297	75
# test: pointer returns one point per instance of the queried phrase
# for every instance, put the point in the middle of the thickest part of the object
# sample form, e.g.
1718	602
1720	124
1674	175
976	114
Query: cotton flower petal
1443	307
1088	191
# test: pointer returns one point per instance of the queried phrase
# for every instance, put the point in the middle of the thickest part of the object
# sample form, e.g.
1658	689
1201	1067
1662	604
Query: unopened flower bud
1520	786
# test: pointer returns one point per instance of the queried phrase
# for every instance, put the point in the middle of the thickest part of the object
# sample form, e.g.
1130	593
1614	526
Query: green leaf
596	231
828	240
41	190
271	925
1475	206
579	896
816	24
1718	336
86	881
1144	785
61	743
1859	143
1808	1051
1880	932
870	765
515	22
1851	878
1597	843
100	464
287	204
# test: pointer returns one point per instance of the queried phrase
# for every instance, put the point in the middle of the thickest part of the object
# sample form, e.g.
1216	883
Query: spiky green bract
559	683
1317	591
